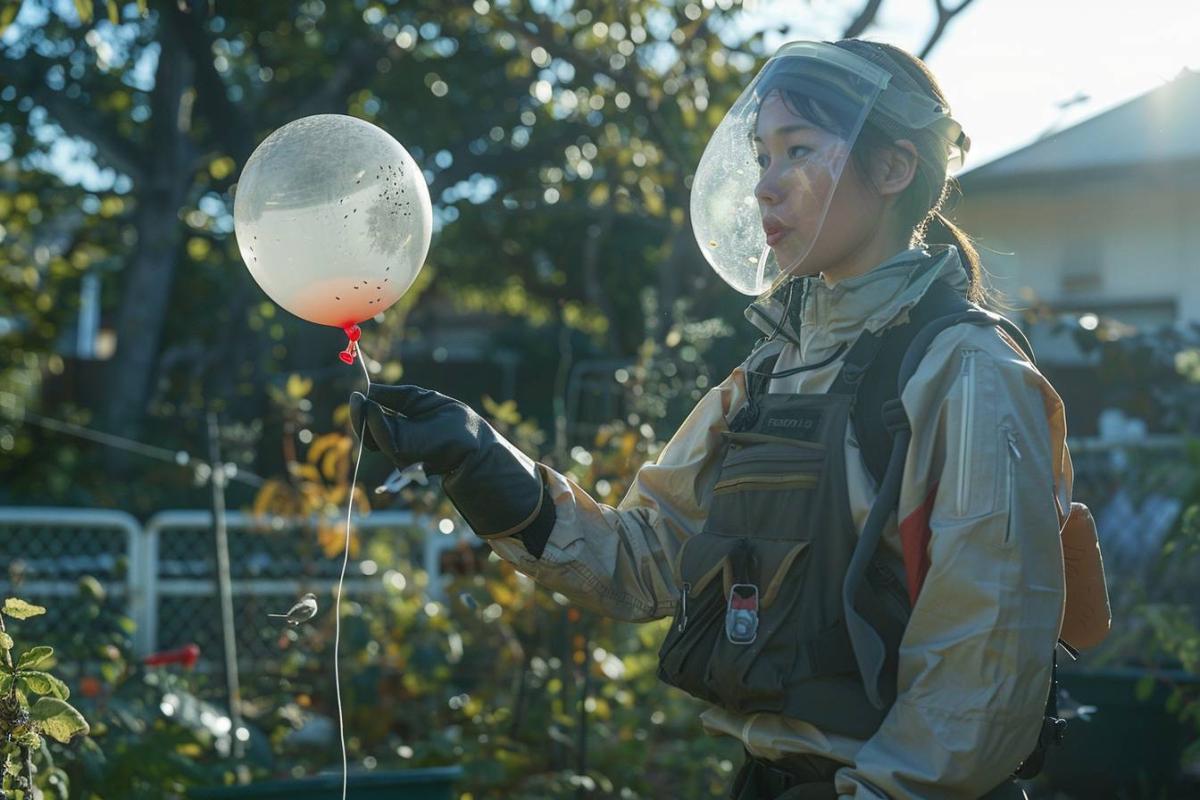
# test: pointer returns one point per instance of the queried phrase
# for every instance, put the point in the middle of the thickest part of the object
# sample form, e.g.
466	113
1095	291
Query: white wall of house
1128	248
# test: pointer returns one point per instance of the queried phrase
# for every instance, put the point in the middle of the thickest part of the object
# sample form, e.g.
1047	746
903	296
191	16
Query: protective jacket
968	582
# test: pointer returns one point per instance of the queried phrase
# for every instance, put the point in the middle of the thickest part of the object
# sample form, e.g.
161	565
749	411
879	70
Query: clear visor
766	180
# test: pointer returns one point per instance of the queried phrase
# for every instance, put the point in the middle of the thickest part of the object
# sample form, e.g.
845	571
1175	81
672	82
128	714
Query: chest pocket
767	485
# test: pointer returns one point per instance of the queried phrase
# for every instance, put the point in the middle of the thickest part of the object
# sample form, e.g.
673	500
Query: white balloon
333	218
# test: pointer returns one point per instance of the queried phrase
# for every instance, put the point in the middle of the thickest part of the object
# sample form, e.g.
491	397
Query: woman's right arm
619	561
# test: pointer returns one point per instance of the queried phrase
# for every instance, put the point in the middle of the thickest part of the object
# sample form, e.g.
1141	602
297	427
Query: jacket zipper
683	596
966	429
1011	436
1014	455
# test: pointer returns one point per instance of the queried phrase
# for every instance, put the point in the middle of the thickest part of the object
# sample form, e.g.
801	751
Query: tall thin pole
225	585
582	766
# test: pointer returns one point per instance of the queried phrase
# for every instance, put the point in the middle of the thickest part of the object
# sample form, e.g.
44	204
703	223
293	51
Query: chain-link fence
46	551
162	575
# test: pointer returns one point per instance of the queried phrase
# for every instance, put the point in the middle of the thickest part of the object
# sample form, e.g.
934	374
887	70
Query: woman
919	668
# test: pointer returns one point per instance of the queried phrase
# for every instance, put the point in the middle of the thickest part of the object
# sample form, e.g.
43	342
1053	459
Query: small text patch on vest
795	424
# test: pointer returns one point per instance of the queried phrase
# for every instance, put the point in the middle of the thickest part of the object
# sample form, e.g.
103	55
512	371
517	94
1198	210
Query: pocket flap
701	558
780	567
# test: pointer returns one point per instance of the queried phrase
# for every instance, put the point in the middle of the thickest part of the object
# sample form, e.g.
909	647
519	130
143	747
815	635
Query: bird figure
403	477
304	610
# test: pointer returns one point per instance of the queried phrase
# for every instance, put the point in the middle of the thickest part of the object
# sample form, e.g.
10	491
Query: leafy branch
22	723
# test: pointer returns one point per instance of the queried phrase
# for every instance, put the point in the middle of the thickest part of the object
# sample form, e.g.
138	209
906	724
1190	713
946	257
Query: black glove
497	488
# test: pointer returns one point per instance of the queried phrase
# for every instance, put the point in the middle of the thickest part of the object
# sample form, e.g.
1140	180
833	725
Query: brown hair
920	205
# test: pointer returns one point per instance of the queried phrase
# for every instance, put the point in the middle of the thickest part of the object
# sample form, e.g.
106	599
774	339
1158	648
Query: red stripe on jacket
914	542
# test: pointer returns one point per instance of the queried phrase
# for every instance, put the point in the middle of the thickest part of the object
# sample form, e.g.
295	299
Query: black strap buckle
1053	731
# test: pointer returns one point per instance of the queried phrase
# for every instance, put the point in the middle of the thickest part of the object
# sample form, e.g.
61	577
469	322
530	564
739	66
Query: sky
1005	65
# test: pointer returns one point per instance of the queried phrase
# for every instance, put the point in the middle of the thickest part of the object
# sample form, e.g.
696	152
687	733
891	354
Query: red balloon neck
353	333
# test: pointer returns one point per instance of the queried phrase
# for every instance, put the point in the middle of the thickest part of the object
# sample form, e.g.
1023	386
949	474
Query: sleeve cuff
535	535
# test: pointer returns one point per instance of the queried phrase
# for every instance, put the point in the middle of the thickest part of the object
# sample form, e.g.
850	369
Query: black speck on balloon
356	288
335	297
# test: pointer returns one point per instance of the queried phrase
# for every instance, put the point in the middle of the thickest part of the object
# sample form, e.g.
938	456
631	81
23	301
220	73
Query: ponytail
938	229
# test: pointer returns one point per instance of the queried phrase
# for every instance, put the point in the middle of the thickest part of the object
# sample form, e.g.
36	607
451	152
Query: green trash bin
426	783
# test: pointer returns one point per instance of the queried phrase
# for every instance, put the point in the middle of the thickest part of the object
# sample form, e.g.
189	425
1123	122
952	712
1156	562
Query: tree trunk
149	274
674	274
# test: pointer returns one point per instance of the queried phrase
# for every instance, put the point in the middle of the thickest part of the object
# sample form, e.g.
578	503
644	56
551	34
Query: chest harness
784	608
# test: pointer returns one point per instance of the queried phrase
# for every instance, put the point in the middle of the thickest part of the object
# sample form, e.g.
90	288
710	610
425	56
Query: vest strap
858	362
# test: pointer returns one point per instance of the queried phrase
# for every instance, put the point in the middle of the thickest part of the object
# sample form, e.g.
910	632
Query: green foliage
133	751
494	682
36	658
54	717
559	145
19	609
23	722
1156	617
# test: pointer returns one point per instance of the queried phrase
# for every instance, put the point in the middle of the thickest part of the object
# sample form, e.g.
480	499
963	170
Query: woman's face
799	165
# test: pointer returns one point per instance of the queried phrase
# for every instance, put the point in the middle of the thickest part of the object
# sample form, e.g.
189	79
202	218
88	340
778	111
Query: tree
558	142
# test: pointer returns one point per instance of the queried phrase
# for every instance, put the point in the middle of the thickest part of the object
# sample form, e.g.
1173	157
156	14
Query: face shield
766	180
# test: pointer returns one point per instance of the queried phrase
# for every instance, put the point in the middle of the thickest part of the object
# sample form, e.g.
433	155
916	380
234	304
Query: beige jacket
987	476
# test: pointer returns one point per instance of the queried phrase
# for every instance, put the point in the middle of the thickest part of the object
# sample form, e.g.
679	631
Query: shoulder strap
879	383
881	379
757	381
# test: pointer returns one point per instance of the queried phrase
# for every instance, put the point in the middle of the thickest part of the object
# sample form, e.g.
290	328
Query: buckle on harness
741	614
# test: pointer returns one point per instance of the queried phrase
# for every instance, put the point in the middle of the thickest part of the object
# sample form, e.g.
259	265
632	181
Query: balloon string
337	607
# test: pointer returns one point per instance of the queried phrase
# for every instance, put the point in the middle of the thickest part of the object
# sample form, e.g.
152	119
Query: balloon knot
353	333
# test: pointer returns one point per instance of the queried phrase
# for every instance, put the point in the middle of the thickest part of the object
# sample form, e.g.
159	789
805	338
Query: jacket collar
822	316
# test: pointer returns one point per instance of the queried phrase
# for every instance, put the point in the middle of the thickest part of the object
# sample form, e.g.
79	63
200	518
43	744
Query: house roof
1155	128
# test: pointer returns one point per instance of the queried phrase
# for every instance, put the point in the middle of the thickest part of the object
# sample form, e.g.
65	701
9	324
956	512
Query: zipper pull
1012	443
683	595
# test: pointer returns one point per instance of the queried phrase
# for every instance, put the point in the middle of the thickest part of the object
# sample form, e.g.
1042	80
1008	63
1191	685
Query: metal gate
162	575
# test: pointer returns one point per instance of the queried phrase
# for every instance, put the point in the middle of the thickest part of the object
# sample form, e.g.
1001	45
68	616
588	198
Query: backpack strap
1051	734
757	382
881	381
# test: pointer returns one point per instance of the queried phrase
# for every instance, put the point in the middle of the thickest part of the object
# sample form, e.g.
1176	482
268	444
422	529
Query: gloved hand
497	488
